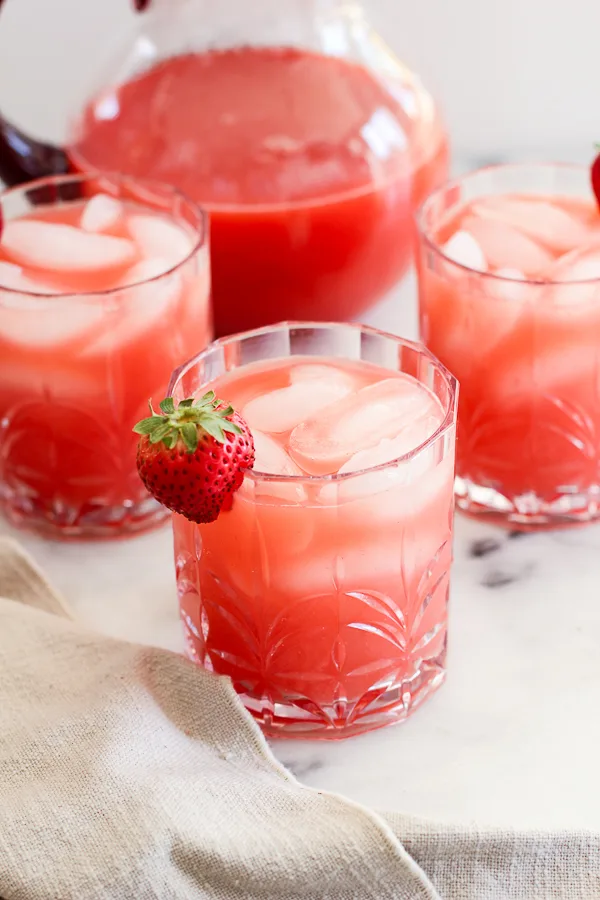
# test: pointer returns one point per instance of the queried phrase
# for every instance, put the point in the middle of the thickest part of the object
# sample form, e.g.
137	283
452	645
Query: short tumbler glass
77	369
324	598
526	351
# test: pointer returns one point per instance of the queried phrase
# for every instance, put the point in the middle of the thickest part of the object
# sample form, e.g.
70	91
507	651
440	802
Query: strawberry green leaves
192	456
190	420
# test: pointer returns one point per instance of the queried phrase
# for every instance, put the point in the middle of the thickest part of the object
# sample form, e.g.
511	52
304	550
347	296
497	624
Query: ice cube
395	493
546	371
157	237
369	565
386	451
512	274
145	301
323	443
281	410
44	323
511	287
51	380
579	265
145	270
101	213
316	372
462	248
271	458
546	223
13	277
572	298
411	436
478	320
58	247
467	317
505	247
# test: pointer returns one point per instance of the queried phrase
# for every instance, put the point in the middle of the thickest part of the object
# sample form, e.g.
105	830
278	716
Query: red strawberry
596	176
192	457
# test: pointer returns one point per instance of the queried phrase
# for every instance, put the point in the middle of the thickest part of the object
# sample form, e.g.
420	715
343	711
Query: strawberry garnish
192	457
596	177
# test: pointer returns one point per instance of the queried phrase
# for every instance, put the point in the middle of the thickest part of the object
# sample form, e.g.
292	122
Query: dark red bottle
23	158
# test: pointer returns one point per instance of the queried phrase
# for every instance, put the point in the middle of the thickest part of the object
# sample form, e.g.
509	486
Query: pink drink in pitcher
509	270
275	143
290	121
99	298
322	593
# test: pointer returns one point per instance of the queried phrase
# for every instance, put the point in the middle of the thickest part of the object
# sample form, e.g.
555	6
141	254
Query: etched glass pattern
324	636
526	354
77	371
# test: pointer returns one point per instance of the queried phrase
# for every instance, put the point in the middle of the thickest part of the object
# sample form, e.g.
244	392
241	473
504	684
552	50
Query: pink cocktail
322	592
509	268
104	288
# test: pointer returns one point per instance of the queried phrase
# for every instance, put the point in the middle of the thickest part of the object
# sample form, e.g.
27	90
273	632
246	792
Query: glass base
394	705
91	522
299	717
528	512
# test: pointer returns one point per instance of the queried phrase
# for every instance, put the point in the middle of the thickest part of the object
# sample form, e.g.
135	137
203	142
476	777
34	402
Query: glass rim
447	422
454	183
200	233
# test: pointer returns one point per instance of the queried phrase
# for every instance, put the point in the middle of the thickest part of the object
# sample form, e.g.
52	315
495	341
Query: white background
514	76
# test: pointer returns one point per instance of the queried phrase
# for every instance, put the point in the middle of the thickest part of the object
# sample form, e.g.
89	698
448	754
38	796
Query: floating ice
101	213
546	371
142	305
511	287
374	561
390	449
512	274
545	222
145	270
505	247
271	458
12	276
324	443
58	248
157	237
462	248
281	410
579	295
48	322
317	372
580	265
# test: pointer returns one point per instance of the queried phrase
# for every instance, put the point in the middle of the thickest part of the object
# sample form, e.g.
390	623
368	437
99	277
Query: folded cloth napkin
128	773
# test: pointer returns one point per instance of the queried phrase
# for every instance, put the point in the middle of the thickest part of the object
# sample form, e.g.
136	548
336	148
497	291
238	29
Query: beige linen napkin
128	773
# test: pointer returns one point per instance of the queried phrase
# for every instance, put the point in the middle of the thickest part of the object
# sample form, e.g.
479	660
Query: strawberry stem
188	421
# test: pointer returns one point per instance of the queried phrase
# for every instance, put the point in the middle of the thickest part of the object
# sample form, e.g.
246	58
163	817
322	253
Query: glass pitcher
290	120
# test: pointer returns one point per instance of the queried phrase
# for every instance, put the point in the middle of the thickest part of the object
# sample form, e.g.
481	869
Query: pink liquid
309	167
325	601
527	356
81	358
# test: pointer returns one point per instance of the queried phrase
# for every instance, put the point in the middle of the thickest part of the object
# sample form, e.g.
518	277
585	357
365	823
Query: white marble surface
511	739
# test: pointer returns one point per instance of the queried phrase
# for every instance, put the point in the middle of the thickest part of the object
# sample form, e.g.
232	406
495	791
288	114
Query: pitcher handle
23	158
